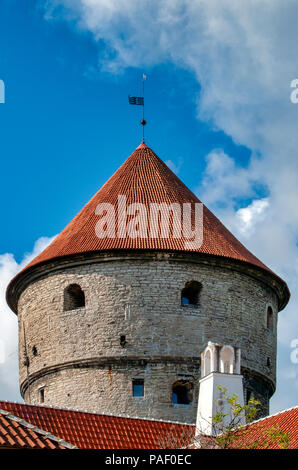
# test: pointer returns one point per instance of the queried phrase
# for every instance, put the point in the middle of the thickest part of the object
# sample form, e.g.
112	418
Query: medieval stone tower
118	324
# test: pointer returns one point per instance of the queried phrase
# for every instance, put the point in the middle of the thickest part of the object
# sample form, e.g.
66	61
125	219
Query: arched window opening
207	363
182	392
74	297
227	360
190	295
270	318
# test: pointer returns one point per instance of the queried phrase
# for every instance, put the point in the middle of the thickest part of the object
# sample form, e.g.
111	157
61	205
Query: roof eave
13	293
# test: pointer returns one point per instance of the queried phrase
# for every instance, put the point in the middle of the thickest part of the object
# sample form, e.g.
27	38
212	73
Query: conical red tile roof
143	178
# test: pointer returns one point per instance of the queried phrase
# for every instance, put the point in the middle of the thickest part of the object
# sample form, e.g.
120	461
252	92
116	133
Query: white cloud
9	380
175	167
244	56
259	226
251	215
224	182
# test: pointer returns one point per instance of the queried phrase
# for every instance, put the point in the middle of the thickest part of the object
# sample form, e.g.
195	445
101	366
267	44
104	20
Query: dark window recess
248	396
34	350
182	393
270	318
41	395
26	361
190	295
268	362
123	341
74	297
138	388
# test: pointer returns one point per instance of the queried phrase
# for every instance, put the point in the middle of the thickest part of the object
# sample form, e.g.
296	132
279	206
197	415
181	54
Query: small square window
138	388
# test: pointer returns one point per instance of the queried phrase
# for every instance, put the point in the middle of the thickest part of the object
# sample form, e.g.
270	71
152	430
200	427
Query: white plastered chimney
220	366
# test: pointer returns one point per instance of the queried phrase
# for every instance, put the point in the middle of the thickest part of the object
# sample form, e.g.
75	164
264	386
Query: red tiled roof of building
96	431
143	178
15	433
264	432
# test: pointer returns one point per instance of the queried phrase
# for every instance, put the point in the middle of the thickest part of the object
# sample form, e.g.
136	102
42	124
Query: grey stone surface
76	354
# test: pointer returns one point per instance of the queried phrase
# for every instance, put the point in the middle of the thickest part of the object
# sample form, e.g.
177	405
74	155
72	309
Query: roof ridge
163	178
30	426
272	416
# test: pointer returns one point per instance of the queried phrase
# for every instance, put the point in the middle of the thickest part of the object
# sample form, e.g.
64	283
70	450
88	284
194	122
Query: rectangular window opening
41	395
138	388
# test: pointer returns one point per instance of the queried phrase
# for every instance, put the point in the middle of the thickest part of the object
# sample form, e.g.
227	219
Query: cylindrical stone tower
116	322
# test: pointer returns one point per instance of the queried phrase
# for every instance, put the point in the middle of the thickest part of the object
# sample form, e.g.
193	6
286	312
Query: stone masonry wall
77	357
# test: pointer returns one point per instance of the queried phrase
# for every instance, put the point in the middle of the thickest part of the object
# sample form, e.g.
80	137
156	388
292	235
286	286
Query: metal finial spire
143	122
139	100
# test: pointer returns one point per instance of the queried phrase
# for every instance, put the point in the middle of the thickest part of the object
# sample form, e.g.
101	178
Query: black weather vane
140	101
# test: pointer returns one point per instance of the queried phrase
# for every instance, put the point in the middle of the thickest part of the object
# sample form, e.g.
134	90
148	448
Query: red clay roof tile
17	433
257	434
96	431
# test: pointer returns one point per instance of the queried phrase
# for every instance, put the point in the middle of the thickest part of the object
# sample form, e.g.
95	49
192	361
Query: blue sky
67	126
218	112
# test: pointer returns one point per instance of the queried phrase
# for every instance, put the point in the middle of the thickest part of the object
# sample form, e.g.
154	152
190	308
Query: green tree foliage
228	430
231	433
